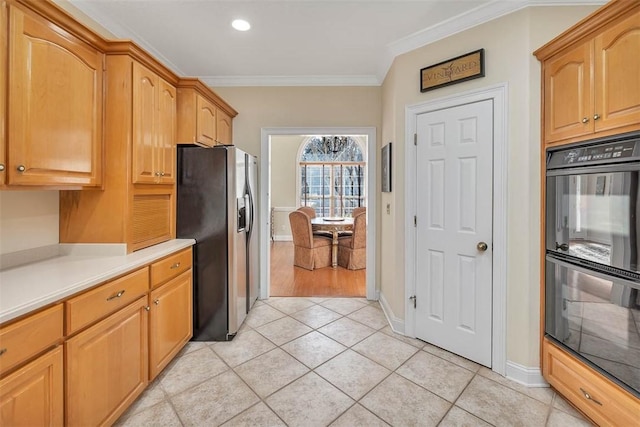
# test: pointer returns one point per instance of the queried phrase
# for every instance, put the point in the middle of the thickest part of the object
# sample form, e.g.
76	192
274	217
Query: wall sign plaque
459	69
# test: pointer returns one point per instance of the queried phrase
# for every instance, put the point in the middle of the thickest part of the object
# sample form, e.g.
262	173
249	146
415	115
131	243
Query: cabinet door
171	321
223	128
617	75
55	93
205	122
166	133
33	395
145	106
4	17
568	98
107	367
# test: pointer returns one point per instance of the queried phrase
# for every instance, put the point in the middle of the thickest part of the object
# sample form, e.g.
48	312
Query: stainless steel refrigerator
216	206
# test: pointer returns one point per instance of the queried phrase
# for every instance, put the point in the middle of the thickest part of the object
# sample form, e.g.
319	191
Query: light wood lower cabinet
107	367
170	321
33	395
601	400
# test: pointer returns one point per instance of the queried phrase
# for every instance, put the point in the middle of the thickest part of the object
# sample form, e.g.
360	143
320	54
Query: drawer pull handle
588	397
118	295
176	265
2	351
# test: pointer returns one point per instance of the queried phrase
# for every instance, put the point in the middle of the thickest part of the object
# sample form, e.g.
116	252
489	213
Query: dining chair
309	251
352	250
311	212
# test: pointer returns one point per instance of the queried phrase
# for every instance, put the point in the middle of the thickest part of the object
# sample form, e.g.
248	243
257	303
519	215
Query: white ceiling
292	42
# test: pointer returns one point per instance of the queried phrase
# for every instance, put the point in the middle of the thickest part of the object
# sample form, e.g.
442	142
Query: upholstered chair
357	211
352	251
311	213
309	251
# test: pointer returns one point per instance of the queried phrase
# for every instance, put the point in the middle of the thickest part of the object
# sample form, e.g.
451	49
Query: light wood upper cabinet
590	77
55	91
34	394
154	124
167	125
223	128
108	360
617	75
205	122
203	117
567	94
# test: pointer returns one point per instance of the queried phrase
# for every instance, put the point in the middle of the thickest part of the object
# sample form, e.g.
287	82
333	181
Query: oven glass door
594	217
597	316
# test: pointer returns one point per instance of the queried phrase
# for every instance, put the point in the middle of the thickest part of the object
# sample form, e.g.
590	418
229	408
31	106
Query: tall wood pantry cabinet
590	88
52	133
137	205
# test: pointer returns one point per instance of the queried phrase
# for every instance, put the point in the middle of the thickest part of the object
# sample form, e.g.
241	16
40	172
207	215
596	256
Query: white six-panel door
454	219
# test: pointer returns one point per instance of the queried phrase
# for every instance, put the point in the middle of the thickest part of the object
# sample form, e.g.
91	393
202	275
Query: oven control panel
611	152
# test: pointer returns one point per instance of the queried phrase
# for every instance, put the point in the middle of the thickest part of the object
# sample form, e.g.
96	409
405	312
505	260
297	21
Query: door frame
498	94
265	207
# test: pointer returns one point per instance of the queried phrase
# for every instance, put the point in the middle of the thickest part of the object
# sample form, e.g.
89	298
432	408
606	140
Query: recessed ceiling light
241	25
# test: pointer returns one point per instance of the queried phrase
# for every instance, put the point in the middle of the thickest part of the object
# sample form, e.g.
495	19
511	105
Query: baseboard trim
282	238
530	377
396	323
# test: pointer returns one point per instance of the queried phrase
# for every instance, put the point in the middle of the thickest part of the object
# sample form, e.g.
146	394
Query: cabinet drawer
93	305
598	398
26	338
170	267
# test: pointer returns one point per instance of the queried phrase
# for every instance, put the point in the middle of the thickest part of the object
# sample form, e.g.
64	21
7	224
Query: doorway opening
294	173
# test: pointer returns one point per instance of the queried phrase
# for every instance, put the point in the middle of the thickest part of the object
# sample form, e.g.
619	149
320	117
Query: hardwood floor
289	281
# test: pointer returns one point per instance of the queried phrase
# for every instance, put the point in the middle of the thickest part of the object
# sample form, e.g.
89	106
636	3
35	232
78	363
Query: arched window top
329	149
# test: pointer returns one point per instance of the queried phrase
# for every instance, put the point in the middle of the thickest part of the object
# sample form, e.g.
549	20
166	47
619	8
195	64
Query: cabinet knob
147	308
157	173
162	173
174	266
585	120
2	351
1	167
596	116
21	168
156	301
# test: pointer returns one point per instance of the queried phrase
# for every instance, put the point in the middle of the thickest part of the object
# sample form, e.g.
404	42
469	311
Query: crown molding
220	81
480	15
466	21
123	32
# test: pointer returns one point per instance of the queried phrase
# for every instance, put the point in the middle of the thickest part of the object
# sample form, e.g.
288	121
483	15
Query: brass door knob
21	168
585	120
596	116
482	246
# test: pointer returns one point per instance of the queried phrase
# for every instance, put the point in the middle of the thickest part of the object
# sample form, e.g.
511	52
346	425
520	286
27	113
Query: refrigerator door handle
249	209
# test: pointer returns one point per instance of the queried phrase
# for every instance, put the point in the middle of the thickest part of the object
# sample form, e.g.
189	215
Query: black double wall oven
592	283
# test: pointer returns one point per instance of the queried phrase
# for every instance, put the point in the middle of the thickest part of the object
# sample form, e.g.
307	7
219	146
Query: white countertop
69	270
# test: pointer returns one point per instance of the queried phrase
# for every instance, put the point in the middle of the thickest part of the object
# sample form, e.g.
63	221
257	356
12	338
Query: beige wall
261	107
284	158
508	42
28	219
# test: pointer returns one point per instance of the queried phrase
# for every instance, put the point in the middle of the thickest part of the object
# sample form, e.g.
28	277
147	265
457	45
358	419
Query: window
332	175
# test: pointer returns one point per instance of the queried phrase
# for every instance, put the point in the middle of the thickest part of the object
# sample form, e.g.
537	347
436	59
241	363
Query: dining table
335	225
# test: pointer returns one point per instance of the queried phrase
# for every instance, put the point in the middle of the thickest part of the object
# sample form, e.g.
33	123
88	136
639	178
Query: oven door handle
595	273
562	246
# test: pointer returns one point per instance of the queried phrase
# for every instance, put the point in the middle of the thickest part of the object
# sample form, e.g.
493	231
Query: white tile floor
319	362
